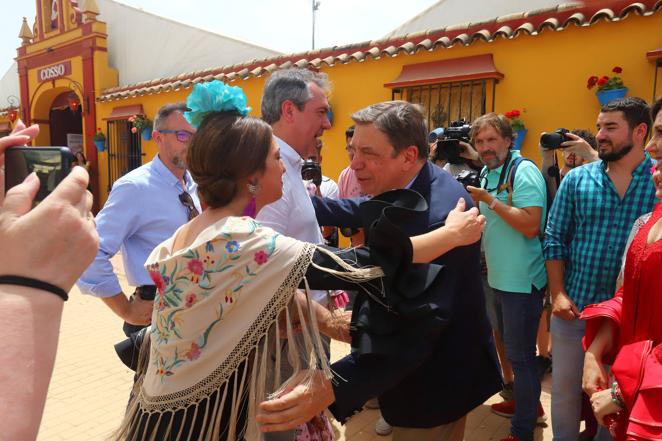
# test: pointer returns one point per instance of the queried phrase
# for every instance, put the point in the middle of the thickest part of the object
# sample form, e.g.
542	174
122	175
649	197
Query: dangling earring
251	209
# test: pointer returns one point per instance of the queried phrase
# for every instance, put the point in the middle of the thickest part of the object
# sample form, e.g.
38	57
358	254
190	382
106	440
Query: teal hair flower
214	96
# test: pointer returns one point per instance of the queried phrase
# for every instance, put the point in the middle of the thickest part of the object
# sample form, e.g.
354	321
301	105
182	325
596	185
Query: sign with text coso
54	71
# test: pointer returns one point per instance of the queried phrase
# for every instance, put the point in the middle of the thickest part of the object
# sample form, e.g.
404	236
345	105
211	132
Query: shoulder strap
511	176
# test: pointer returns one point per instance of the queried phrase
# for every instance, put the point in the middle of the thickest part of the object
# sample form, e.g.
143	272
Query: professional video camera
448	141
311	171
554	139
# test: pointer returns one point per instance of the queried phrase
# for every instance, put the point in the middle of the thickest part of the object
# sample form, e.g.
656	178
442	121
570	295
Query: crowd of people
231	254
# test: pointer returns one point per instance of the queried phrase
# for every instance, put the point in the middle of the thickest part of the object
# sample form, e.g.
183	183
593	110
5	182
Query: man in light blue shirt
145	207
515	265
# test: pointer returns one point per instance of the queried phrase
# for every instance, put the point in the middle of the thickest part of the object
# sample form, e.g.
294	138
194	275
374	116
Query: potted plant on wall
518	127
143	125
99	140
609	88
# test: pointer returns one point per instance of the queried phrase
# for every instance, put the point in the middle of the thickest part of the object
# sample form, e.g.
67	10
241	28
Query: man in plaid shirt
586	233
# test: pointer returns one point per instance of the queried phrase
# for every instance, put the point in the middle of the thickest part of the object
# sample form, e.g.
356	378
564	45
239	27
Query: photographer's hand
66	238
479	194
19	136
470	154
580	147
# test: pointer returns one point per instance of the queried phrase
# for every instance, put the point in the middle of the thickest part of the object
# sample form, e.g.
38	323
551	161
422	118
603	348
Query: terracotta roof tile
508	26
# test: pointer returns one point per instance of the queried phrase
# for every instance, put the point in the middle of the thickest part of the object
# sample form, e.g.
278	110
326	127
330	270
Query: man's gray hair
289	85
167	110
402	122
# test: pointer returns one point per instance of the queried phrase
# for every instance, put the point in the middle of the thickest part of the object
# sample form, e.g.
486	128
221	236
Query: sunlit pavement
90	386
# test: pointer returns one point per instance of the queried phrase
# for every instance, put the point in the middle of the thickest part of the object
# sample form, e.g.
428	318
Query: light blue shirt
142	210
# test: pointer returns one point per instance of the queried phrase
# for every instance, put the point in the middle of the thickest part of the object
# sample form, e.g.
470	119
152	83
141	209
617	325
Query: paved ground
90	386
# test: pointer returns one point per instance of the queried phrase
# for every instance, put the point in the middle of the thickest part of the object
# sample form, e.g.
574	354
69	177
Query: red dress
636	310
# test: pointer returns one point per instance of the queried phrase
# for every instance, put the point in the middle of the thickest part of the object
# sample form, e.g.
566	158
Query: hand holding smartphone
52	164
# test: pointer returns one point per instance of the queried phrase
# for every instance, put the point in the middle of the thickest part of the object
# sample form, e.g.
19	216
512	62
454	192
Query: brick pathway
90	386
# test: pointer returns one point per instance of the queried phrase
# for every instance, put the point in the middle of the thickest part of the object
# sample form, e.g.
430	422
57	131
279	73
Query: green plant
606	83
140	123
515	121
99	136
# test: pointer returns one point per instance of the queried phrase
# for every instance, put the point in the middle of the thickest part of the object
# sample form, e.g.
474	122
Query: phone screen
51	164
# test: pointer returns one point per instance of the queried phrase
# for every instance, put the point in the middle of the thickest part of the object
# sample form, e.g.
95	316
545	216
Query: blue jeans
568	367
520	314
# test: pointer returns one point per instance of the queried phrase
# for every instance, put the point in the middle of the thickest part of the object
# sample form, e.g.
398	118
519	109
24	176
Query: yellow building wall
545	75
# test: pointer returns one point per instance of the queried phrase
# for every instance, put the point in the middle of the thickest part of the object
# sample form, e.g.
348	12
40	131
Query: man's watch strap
493	204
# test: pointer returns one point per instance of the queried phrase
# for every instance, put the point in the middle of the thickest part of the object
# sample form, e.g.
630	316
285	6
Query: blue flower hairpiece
214	96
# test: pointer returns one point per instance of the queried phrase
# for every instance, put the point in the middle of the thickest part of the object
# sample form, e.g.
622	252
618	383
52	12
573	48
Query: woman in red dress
626	331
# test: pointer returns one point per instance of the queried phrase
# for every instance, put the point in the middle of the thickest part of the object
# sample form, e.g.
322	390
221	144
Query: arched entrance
59	113
66	122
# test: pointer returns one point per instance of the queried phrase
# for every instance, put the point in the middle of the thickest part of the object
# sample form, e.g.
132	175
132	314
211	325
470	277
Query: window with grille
446	102
124	150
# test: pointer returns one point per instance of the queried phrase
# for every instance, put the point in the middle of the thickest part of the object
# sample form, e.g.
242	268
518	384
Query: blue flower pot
606	96
101	145
519	139
147	134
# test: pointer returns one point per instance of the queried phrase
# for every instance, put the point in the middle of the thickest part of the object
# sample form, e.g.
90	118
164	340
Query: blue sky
283	25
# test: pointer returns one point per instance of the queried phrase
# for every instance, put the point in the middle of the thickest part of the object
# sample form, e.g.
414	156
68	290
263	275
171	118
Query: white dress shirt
293	214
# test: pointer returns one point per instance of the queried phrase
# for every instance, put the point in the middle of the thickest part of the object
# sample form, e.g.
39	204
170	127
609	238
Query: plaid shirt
588	227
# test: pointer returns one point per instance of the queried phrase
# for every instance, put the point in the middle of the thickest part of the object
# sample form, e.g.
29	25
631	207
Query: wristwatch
493	204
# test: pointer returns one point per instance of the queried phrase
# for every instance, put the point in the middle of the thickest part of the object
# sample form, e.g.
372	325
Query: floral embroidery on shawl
188	280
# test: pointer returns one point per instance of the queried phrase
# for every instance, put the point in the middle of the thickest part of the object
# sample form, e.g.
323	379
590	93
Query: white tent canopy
9	89
143	46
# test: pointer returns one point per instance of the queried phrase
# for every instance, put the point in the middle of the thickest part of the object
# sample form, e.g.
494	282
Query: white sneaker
382	427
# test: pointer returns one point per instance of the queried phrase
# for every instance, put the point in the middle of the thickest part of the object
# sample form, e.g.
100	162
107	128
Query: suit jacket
441	362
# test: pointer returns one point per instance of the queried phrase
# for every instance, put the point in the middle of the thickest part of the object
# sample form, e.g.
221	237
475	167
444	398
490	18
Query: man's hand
55	241
594	378
19	136
602	405
563	307
467	226
138	311
580	147
300	401
479	194
468	152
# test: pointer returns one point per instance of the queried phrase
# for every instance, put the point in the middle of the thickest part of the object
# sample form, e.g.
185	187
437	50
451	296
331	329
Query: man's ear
287	109
410	156
639	133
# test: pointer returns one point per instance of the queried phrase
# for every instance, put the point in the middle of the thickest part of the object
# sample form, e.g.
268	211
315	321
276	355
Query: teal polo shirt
514	262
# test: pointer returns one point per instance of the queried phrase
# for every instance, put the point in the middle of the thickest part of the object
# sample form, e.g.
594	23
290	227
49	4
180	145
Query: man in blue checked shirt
144	208
587	229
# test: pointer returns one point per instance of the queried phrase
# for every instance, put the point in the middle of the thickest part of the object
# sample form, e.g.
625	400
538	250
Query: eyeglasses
187	201
181	135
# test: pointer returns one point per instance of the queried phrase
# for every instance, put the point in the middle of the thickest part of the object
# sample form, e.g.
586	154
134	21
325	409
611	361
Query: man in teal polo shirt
515	265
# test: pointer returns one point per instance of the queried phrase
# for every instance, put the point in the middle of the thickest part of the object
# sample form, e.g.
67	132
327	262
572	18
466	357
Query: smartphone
51	164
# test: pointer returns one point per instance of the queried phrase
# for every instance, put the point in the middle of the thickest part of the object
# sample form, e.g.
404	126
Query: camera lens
551	140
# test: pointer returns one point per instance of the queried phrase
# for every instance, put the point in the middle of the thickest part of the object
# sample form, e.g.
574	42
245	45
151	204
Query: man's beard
496	160
179	162
615	155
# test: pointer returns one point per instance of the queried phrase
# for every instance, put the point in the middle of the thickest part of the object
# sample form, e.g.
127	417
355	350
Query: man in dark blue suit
429	357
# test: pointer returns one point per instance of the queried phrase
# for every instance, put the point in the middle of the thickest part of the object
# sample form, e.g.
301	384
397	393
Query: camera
448	141
52	165
468	178
554	139
312	171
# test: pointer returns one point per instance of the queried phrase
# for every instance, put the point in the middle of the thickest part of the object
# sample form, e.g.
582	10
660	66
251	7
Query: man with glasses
144	208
